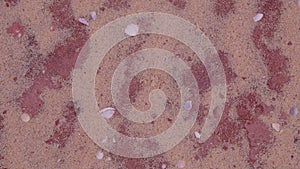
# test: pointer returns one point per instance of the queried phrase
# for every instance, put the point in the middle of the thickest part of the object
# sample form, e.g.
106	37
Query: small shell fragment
276	126
187	105
108	159
83	21
99	155
258	17
197	134
132	29
25	117
164	166
294	111
180	164
107	112
93	15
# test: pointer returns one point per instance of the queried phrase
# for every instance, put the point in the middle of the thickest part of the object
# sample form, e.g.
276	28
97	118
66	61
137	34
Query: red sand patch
230	74
11	2
60	62
275	61
116	4
249	107
223	7
181	4
16	30
1	122
259	138
63	127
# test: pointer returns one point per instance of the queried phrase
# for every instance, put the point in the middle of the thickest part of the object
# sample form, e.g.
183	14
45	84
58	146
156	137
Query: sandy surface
40	42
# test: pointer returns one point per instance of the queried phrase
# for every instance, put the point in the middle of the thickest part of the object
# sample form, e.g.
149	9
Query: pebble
93	15
25	117
294	111
108	159
83	21
276	126
180	164
187	105
258	17
107	112
164	166
197	135
100	155
132	29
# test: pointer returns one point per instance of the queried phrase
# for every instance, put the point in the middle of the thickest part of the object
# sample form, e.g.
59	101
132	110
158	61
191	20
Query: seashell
258	17
107	112
83	21
132	29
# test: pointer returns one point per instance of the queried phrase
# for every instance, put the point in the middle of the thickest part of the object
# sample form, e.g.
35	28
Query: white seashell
108	159
83	21
258	17
164	166
93	15
107	112
132	29
197	135
99	155
276	126
187	105
25	117
294	111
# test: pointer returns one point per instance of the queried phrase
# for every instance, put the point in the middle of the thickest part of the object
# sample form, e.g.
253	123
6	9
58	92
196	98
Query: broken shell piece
187	105
108	159
132	29
164	166
83	21
93	15
276	126
258	17
25	117
107	112
197	135
100	155
294	111
180	164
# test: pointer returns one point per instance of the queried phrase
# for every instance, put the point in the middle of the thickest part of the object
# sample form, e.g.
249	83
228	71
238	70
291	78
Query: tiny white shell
164	166
108	159
187	105
197	134
132	29
99	155
294	111
93	15
83	21
107	112
25	117
276	126
258	17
